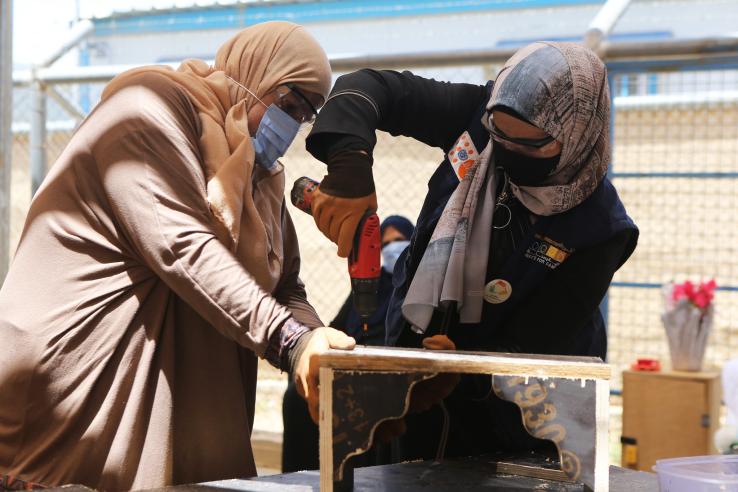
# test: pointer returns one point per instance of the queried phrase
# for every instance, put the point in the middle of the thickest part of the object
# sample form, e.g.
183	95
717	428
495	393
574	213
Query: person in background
519	235
396	232
300	438
158	260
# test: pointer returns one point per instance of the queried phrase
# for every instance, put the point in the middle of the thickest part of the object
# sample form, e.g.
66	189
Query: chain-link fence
675	165
676	168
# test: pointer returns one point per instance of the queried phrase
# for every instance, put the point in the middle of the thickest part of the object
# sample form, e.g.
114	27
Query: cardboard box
668	414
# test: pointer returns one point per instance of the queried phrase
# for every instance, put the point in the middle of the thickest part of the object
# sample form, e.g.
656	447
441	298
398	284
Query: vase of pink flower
687	318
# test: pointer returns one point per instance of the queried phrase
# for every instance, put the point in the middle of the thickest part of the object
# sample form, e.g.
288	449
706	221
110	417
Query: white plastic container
698	474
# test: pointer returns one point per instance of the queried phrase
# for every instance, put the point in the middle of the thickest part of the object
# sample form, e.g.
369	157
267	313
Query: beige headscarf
247	214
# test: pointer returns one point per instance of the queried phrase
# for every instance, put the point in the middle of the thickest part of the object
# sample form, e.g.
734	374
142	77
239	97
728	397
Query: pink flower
701	297
709	287
682	291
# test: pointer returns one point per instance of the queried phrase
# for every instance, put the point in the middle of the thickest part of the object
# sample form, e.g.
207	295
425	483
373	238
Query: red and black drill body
363	261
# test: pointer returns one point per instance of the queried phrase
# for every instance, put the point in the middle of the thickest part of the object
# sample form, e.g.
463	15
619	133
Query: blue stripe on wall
233	17
717	62
625	36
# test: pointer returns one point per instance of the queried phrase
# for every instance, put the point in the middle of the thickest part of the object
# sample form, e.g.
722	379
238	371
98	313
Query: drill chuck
365	292
302	194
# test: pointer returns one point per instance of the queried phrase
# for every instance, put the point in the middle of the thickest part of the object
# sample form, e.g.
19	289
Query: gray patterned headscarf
562	89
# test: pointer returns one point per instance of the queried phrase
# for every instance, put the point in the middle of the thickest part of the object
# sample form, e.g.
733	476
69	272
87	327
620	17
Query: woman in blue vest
520	233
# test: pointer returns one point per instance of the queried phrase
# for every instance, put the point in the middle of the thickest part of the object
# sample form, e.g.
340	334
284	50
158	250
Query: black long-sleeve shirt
436	113
433	112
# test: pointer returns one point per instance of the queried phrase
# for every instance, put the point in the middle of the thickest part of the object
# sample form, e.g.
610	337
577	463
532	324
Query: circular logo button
497	291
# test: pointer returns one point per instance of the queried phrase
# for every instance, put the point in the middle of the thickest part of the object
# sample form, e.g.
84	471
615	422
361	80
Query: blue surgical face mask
391	252
275	134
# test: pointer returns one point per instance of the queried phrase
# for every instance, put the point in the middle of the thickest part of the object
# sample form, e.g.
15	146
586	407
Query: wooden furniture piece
562	399
667	415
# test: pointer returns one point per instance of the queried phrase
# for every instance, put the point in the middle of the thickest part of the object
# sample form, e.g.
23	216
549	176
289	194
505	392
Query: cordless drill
363	261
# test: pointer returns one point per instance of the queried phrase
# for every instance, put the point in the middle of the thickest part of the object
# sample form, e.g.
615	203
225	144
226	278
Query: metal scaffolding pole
37	137
697	50
604	22
6	137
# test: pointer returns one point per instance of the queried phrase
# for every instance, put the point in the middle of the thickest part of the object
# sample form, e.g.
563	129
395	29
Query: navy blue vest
595	220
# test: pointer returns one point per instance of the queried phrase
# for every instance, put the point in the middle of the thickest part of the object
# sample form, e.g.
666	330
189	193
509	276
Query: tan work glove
345	194
337	218
425	394
307	369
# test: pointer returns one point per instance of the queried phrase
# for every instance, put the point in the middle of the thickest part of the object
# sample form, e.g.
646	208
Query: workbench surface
450	476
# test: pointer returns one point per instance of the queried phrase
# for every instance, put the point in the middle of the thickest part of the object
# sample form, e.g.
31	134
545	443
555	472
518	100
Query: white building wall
446	32
465	31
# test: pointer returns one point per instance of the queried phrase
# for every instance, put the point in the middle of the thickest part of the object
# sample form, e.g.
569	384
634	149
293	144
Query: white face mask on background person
391	252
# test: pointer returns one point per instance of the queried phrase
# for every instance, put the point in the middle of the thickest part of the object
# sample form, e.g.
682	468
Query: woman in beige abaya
158	260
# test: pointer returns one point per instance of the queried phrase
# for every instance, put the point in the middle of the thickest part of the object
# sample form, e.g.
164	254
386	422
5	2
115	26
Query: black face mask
524	170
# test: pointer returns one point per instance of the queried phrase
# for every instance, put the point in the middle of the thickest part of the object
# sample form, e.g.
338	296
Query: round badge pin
497	291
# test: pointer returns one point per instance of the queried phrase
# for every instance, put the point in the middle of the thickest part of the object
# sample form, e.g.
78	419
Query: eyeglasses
290	100
293	102
527	146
